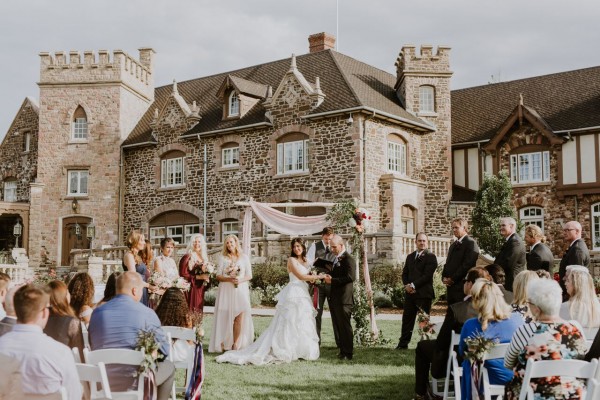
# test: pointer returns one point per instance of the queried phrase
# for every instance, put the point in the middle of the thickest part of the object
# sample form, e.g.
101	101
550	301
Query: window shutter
514	173
280	158
306	155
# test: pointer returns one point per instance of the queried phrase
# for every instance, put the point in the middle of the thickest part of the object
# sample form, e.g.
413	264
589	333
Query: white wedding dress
292	333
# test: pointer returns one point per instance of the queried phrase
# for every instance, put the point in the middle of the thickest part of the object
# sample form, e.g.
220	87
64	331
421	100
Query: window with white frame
231	156
26	141
396	155
292	157
78	183
189	231
157	234
596	226
176	233
532	215
10	191
229	228
172	171
234	104
426	99
79	126
530	167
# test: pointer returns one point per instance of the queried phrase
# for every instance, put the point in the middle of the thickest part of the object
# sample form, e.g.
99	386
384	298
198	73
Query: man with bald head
116	325
576	254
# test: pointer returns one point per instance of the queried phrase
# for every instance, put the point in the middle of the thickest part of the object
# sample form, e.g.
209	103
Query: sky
491	40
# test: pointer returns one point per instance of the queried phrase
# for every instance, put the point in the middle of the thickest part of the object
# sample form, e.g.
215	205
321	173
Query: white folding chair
60	395
10	378
593	390
452	369
178	333
92	375
538	369
119	356
76	355
86	335
489	390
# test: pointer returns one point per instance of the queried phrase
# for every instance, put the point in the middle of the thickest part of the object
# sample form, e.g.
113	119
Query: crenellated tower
88	105
423	87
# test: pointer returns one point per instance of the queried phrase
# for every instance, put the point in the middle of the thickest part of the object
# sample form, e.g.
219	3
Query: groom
341	279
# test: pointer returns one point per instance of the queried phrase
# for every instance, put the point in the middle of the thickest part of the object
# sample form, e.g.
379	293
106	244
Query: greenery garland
344	216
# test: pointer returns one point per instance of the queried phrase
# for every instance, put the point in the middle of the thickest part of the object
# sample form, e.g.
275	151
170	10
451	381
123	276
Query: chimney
321	41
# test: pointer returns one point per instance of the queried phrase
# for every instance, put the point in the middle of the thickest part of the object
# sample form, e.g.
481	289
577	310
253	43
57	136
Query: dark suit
434	353
343	276
508	296
576	254
324	290
540	257
462	256
512	259
418	271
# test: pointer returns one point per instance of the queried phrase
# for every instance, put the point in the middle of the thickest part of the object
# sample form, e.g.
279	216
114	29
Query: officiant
319	255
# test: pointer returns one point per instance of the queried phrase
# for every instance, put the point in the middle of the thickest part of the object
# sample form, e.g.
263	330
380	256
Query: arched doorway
74	236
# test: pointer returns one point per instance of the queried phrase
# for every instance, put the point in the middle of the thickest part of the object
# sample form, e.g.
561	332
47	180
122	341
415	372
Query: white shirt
46	364
2	312
310	255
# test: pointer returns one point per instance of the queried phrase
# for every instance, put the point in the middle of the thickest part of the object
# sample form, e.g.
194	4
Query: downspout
121	183
576	209
363	138
204	164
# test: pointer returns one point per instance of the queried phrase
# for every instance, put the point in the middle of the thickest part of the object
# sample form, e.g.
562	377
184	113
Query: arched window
79	130
178	225
396	154
172	169
532	215
292	154
10	190
426	99
596	226
234	104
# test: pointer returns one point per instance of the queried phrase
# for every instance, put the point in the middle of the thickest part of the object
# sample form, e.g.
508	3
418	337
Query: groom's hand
327	278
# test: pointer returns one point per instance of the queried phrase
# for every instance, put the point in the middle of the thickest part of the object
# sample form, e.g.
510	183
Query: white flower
351	222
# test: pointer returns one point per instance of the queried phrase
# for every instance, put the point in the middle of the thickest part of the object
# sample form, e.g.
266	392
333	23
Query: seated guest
10	320
548	337
173	311
499	277
4	282
519	303
46	364
116	325
543	274
495	321
81	289
63	326
434	353
110	290
583	305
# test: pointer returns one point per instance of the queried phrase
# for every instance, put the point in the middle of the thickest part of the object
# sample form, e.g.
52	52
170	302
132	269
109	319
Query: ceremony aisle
375	373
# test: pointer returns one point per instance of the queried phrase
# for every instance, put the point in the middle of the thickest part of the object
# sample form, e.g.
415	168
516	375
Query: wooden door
71	239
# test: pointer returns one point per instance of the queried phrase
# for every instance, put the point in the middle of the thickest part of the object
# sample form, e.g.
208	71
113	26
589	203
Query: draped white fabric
288	224
247	232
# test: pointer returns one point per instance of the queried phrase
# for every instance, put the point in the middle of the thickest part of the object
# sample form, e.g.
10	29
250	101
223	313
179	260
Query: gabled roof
346	83
243	86
566	101
34	105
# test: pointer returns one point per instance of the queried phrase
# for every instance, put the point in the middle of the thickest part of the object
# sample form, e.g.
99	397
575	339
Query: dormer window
234	104
79	125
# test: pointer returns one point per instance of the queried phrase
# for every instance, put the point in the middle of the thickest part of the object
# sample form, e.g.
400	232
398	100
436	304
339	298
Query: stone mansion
104	149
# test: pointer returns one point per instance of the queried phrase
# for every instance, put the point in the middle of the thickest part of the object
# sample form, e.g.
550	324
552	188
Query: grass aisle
375	373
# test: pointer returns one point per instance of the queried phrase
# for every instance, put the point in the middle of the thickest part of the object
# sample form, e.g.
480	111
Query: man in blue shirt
116	325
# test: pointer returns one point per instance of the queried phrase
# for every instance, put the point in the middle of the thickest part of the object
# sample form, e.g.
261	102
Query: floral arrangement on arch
360	219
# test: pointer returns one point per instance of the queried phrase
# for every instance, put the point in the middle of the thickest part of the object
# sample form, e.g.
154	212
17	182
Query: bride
292	333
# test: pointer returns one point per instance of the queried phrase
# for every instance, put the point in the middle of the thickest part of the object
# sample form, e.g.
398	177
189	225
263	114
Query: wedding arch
297	226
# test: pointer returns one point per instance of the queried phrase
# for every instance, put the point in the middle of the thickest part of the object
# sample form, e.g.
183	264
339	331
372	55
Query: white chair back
489	390
537	369
10	378
86	335
450	372
92	375
119	356
60	395
179	333
76	355
593	390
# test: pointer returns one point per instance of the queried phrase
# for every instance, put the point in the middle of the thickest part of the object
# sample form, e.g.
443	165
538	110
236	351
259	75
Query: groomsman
539	256
512	252
576	254
341	279
462	256
322	250
417	277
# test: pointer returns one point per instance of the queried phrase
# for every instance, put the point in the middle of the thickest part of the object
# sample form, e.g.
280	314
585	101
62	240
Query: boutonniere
457	243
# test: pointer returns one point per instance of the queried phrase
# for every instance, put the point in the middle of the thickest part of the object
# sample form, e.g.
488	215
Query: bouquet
147	342
201	268
426	327
315	272
181	284
233	271
196	318
160	281
359	219
477	346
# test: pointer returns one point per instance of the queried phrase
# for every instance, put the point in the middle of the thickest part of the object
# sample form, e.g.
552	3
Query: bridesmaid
164	264
132	261
193	268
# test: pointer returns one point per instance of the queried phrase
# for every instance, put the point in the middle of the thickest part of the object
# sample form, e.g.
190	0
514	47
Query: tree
493	201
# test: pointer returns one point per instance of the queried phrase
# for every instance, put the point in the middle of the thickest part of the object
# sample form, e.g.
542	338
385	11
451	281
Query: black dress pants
428	358
409	315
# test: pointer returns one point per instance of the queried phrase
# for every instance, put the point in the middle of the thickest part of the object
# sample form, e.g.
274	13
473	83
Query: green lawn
374	373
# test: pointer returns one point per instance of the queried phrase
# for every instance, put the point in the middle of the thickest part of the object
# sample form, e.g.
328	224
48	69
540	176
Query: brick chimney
321	41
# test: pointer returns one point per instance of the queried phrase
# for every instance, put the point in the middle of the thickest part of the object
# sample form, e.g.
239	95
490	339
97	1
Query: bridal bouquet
160	281
181	284
233	271
426	327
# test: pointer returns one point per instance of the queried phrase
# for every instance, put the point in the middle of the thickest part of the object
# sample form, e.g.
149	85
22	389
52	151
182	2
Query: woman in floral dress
548	337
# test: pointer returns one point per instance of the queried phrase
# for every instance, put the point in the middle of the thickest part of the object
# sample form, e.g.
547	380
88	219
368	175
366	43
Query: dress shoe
420	397
401	347
431	396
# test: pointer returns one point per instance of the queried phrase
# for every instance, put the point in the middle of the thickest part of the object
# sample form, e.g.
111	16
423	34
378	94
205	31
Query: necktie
417	255
327	249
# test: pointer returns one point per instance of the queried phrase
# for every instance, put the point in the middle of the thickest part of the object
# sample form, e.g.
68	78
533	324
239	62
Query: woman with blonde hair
540	256
193	266
583	305
495	321
232	328
132	261
520	298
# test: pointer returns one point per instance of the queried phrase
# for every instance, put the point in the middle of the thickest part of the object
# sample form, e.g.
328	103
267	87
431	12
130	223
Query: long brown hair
58	299
298	240
173	309
81	288
147	254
